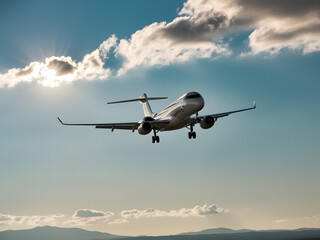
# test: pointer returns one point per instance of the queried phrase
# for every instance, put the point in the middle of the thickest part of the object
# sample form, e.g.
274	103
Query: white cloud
34	220
282	220
275	24
55	71
83	217
156	45
273	34
80	217
197	32
118	221
315	217
197	211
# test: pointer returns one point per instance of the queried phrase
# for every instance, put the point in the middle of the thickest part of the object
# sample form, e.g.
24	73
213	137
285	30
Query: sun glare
49	80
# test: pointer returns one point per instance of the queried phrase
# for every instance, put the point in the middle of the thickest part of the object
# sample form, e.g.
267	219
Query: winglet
60	121
254	104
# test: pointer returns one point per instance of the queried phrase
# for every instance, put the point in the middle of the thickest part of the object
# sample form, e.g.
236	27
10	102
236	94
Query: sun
50	78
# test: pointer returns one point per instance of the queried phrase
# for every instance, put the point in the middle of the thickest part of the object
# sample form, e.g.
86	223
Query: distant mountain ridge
306	234
217	231
56	233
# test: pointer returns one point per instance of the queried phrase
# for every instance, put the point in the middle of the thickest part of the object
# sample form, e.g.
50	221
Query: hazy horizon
252	170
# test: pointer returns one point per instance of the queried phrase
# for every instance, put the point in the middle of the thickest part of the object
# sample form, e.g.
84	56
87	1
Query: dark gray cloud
280	8
251	12
95	62
279	24
61	67
202	28
273	35
87	213
296	11
275	24
25	71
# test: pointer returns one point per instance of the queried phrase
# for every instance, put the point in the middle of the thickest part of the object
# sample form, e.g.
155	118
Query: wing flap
115	126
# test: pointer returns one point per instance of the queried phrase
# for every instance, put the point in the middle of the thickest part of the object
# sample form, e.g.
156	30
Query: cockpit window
192	95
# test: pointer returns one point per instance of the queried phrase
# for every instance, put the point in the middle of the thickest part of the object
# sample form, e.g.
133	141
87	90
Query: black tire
189	135
157	139
194	135
153	139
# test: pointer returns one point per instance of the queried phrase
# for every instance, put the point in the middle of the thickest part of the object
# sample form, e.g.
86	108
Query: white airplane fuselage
180	111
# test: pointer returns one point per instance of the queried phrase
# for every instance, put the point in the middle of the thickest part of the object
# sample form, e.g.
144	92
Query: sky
257	169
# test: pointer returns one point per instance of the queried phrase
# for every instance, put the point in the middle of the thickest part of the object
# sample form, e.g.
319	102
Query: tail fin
143	99
146	106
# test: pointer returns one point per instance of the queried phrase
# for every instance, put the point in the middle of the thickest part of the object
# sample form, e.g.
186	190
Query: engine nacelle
145	128
206	122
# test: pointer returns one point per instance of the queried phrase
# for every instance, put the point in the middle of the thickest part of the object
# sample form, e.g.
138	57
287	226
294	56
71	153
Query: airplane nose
201	101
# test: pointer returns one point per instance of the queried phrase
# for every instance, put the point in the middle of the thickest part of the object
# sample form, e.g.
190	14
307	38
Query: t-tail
144	100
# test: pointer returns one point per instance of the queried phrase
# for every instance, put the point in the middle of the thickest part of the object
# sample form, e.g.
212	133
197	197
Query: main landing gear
155	138
191	134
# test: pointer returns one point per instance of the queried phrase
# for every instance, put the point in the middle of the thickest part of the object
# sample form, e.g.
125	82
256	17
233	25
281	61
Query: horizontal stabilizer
141	99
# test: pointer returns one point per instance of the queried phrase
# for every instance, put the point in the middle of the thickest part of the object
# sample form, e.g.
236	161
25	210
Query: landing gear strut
192	134
155	138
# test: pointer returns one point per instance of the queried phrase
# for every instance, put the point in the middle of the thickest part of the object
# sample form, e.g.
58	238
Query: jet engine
206	122
145	128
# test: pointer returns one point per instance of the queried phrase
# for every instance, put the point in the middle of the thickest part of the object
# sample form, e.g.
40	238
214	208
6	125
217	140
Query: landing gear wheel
191	134
194	135
155	138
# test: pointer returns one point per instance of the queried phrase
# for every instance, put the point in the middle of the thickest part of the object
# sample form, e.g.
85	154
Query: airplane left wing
125	126
219	115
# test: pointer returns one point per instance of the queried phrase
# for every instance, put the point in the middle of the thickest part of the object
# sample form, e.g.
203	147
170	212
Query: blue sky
256	170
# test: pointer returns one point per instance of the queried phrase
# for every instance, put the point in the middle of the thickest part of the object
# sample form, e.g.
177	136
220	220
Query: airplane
176	116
